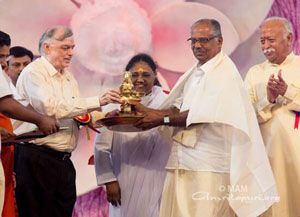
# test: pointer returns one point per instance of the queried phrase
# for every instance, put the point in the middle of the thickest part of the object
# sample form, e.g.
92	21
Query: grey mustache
199	50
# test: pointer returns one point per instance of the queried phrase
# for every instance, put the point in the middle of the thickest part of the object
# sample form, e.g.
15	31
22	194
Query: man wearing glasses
217	147
44	171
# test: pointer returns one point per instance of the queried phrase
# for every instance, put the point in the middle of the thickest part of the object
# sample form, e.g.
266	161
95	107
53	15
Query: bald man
216	143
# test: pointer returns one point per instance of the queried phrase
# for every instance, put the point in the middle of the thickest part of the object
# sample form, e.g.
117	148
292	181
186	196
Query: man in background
18	59
274	88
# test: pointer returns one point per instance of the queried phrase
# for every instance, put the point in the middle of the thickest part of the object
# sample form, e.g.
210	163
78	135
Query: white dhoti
218	101
195	194
279	131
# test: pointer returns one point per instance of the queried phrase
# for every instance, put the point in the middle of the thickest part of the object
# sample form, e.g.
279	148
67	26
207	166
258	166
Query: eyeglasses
202	40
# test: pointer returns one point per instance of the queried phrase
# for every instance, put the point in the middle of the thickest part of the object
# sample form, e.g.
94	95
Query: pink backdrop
107	33
284	8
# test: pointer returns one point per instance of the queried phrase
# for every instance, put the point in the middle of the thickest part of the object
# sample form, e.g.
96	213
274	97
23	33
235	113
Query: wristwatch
167	120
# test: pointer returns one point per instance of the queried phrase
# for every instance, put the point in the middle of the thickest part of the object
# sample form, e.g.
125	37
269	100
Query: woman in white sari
132	165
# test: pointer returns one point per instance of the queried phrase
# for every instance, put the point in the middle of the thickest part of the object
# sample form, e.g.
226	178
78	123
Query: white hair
50	33
288	28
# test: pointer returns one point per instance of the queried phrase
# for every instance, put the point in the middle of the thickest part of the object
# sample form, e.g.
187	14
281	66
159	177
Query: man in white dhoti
274	87
218	162
132	165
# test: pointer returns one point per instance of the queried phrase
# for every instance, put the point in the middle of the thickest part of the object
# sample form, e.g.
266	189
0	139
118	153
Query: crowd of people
216	146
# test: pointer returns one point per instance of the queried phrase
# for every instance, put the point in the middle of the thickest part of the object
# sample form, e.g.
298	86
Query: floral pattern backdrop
109	32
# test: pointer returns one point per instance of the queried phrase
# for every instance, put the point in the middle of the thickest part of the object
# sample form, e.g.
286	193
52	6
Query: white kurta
221	97
137	161
277	127
4	91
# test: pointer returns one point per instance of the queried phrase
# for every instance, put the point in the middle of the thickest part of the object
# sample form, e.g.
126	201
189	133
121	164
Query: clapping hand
276	87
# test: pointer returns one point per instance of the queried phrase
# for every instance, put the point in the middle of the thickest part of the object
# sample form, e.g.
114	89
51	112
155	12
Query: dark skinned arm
13	109
153	118
113	193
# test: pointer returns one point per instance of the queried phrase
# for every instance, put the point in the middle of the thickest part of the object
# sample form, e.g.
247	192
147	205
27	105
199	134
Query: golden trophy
128	93
125	120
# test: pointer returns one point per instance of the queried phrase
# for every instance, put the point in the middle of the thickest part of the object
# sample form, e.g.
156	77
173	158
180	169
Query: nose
21	68
140	78
70	52
197	44
267	44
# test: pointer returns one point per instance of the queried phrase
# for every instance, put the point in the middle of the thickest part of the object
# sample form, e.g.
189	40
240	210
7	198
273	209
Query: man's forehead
272	26
67	41
269	31
201	29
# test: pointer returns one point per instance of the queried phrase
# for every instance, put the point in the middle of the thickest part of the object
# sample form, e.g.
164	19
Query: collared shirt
55	94
20	127
212	151
16	95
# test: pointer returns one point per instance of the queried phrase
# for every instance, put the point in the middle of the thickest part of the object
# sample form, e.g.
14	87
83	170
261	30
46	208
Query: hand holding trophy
127	116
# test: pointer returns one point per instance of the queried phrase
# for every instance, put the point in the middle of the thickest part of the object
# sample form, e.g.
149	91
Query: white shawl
222	98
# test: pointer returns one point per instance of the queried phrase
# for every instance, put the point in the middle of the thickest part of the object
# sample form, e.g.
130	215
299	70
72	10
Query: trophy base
123	123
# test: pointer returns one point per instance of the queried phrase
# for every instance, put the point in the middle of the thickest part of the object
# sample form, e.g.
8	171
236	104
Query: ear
46	47
220	41
290	39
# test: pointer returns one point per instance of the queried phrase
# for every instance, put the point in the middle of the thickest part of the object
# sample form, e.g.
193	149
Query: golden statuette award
125	120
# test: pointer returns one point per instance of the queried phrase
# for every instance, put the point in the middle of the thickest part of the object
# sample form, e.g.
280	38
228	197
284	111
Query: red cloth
7	158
